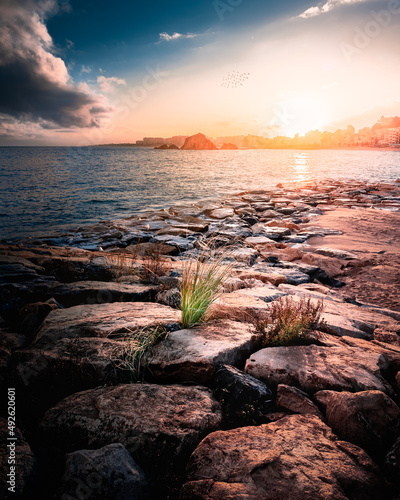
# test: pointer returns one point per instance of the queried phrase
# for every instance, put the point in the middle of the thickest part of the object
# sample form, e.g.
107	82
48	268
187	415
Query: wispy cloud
108	83
324	7
165	37
86	69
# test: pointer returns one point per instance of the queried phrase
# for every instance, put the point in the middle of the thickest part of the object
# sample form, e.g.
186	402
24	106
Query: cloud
164	37
323	8
86	69
108	83
35	85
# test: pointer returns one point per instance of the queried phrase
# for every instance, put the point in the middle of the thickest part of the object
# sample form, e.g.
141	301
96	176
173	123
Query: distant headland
385	133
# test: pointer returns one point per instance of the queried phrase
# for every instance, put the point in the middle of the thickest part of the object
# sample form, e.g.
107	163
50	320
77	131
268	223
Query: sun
303	113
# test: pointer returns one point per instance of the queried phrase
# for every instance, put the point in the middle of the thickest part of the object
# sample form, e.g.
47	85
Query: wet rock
24	465
103	320
109	472
369	419
180	243
296	457
192	355
293	399
313	368
158	425
244	399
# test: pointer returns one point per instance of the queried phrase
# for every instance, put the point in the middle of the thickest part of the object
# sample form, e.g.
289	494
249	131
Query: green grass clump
129	358
202	279
290	321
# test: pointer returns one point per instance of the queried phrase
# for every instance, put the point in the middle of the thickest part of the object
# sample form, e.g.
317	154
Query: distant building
391	137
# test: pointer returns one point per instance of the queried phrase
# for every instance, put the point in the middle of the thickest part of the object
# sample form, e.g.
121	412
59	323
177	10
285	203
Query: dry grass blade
154	264
129	358
122	264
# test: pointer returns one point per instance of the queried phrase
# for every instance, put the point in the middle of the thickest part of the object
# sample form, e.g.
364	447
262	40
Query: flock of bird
234	79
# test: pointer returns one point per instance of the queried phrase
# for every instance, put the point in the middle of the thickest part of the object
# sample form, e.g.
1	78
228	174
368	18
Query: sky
84	72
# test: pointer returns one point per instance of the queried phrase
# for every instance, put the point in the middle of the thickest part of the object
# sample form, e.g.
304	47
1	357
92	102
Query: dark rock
244	399
296	457
33	315
107	473
171	298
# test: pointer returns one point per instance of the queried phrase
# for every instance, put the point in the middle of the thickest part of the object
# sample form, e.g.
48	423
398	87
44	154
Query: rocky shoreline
215	415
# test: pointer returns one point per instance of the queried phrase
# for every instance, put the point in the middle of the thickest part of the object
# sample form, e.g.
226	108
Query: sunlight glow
304	113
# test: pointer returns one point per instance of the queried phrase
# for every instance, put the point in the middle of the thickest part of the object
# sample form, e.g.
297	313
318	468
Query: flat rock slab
313	368
158	425
103	320
98	292
294	458
192	355
242	304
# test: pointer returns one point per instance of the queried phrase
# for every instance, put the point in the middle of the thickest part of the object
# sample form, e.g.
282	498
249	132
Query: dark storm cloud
34	83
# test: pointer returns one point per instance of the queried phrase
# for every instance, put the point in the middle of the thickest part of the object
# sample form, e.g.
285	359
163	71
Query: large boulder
369	419
313	368
159	425
198	141
107	473
297	457
104	320
192	355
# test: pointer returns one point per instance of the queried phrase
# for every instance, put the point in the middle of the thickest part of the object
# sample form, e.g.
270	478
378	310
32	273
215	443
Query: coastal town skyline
384	133
82	73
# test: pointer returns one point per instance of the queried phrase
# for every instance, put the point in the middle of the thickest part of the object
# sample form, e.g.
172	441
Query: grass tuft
129	358
203	277
290	321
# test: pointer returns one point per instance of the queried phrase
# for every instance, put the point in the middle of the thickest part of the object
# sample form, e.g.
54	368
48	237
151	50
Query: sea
53	190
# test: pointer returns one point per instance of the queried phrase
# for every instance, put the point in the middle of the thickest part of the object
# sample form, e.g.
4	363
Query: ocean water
51	190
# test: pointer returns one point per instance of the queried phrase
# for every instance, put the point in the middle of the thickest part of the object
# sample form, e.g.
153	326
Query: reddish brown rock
297	457
198	141
369	419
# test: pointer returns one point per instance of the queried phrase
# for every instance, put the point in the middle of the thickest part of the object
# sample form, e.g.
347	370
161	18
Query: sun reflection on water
301	168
